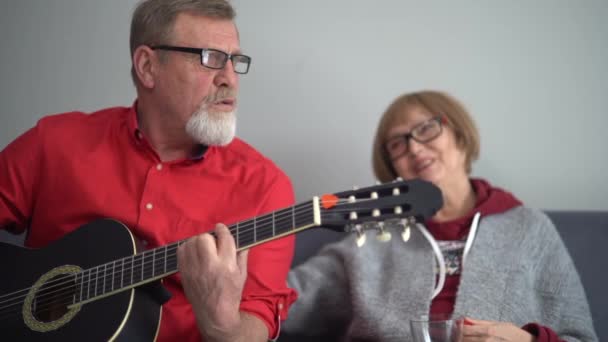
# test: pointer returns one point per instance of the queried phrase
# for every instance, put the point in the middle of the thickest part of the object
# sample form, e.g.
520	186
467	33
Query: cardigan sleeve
323	304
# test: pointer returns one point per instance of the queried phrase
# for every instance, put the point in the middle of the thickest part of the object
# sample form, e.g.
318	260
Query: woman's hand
479	330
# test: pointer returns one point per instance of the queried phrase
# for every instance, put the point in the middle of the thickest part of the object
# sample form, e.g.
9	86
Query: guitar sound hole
52	299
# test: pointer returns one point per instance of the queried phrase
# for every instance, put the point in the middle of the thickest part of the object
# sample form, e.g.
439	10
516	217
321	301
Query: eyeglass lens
422	133
217	60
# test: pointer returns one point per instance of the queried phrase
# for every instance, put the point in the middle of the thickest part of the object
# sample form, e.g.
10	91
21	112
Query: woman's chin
430	176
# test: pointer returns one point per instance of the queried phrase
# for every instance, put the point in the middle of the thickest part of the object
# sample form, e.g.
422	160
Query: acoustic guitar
95	284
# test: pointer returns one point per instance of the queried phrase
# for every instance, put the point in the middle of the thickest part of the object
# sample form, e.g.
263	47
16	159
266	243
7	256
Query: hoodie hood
490	200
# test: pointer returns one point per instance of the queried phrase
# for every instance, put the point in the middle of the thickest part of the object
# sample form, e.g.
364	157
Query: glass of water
436	328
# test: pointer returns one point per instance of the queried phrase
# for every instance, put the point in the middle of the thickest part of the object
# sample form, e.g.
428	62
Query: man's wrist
249	328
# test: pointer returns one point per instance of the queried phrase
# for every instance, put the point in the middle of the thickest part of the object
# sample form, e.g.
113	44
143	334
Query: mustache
221	94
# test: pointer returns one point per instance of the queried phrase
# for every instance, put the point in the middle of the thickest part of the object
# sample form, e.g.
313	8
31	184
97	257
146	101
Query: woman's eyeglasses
424	132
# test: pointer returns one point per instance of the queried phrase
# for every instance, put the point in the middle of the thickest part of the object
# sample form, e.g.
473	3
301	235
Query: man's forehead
211	32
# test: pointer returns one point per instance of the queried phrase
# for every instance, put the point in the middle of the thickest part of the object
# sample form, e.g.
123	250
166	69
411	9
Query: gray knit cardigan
518	270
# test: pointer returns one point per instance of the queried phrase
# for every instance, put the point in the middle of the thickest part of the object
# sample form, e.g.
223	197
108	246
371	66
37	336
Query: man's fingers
226	249
196	250
241	259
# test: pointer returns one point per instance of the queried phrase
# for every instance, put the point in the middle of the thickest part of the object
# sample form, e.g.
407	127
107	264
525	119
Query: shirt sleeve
266	294
20	163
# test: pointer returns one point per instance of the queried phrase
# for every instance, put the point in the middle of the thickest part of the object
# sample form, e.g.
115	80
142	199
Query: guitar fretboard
153	264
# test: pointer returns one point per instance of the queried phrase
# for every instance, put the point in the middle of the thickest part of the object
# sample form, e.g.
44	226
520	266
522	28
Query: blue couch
585	233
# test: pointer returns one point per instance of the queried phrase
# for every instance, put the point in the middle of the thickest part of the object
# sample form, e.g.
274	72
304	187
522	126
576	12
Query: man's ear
144	65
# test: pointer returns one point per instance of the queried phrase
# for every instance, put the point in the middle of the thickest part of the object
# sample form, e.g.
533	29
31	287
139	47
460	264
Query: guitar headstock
398	202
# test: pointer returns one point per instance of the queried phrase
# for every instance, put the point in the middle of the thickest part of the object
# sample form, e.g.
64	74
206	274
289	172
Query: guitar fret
96	280
143	256
112	276
81	284
132	266
293	217
103	288
238	242
89	285
254	231
153	261
273	225
165	268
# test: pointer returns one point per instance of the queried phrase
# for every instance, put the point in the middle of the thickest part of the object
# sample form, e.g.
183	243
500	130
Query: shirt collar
133	126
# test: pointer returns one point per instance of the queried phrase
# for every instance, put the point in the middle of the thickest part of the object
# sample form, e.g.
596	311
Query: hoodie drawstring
439	256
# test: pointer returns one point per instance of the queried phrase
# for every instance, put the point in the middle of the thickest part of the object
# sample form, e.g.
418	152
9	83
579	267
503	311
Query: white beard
212	128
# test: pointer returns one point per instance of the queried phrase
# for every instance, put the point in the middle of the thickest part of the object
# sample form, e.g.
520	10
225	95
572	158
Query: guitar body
131	315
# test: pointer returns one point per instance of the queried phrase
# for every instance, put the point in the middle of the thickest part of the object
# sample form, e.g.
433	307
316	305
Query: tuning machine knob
383	235
407	223
361	238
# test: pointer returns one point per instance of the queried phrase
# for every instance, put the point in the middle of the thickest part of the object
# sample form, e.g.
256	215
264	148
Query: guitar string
40	308
241	231
133	263
153	252
133	259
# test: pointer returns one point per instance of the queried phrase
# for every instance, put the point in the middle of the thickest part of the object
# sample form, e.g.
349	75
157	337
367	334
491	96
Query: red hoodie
490	200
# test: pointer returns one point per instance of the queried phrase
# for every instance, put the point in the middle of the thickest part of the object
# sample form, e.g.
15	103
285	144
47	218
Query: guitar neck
142	268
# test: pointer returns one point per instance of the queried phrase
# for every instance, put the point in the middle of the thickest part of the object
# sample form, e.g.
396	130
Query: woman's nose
413	147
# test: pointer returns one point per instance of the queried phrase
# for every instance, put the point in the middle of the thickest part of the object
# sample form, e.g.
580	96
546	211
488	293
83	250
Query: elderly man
169	168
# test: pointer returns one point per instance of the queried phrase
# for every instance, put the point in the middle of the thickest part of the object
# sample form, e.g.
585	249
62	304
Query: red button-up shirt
74	168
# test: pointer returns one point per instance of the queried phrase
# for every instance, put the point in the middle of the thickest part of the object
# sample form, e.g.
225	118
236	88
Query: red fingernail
467	322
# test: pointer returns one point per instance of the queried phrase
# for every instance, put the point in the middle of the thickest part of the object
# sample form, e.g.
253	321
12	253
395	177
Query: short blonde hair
438	103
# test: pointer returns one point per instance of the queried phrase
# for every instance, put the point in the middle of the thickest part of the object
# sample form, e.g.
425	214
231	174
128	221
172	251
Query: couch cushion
585	234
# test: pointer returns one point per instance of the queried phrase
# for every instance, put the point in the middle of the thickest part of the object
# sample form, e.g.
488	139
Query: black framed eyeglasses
398	146
212	58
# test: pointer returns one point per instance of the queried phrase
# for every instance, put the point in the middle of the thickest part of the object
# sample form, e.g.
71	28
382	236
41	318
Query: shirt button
149	206
159	167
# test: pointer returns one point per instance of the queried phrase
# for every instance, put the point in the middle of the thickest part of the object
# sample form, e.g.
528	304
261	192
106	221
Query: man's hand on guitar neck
213	275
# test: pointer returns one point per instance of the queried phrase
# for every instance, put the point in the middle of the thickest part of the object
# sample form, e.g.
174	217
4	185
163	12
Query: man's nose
226	77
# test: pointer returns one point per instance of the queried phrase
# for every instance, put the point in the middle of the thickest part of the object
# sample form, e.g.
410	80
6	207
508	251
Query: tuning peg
398	210
396	191
383	235
361	238
351	199
374	195
405	235
376	213
407	223
353	215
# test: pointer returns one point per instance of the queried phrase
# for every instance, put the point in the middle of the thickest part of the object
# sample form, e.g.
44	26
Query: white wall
533	73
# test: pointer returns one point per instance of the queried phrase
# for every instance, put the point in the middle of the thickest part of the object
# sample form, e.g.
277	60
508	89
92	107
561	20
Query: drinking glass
436	328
